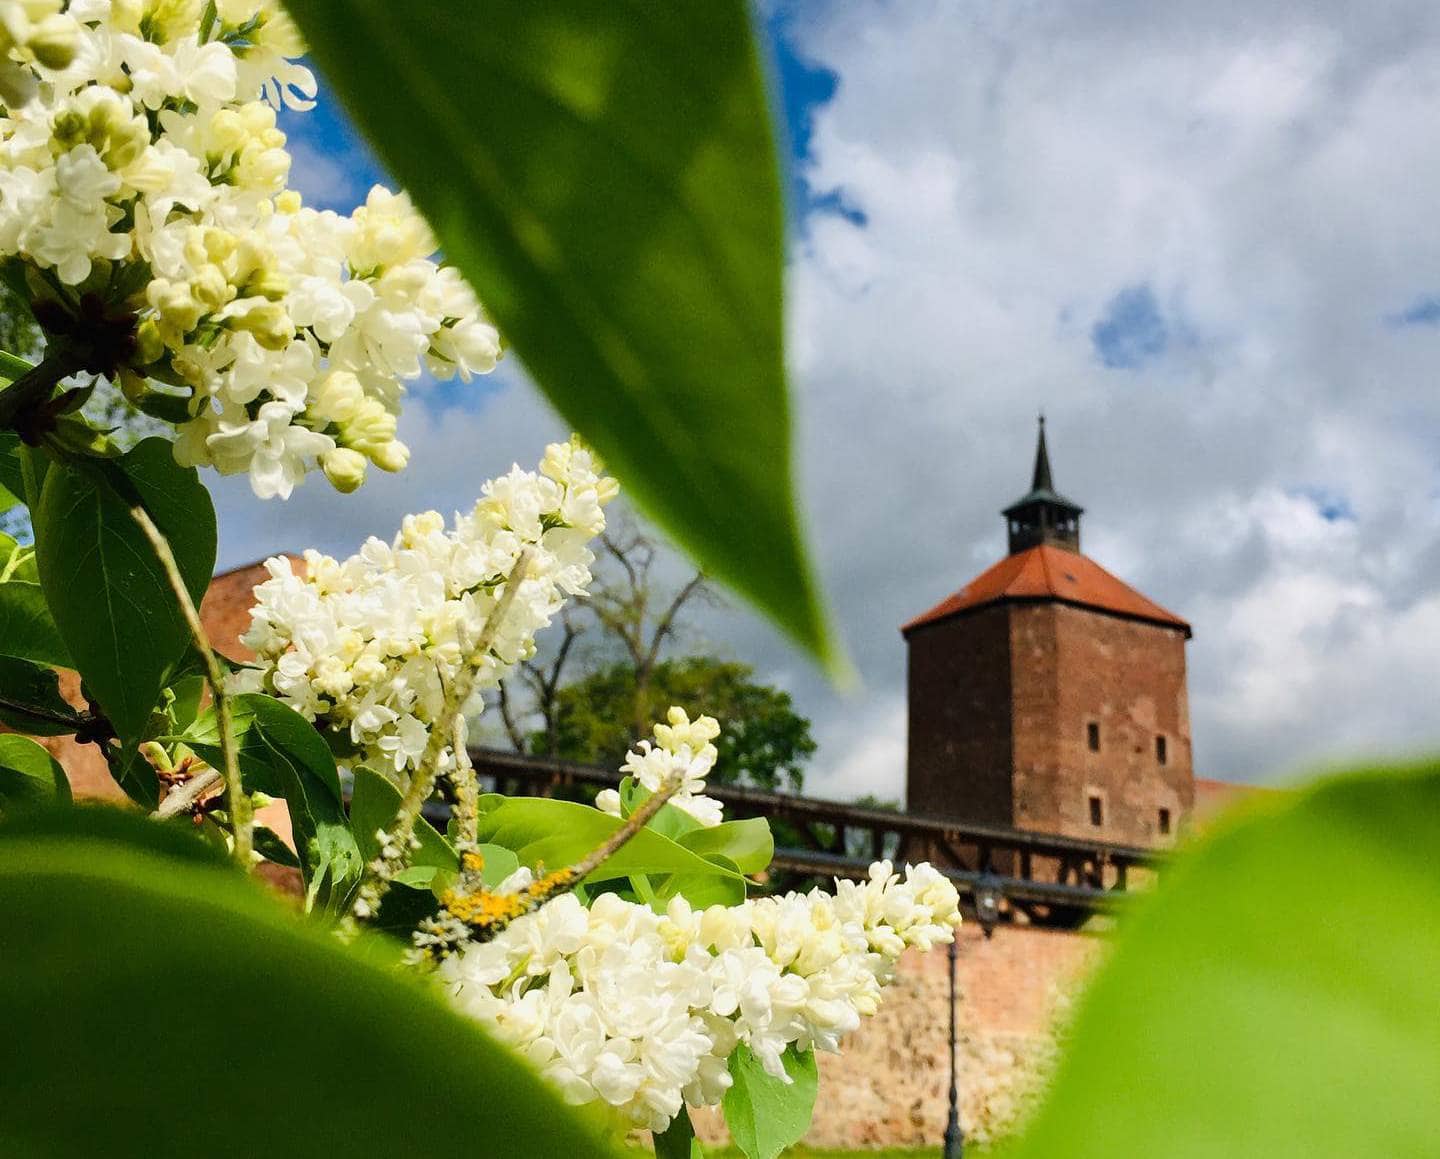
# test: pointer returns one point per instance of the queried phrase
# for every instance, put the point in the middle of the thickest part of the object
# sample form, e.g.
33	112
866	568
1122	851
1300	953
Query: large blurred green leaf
1276	998
29	775
605	176
554	834
280	753
155	1005
105	586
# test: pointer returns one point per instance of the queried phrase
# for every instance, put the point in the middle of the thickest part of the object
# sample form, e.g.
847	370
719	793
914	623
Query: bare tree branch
512	730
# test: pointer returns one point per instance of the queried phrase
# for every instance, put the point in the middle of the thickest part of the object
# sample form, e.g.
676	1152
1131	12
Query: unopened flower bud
267	321
370	429
392	456
149	344
345	468
52	41
338	397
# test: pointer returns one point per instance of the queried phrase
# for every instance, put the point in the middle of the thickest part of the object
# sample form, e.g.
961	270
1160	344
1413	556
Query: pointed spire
1043	481
1043	516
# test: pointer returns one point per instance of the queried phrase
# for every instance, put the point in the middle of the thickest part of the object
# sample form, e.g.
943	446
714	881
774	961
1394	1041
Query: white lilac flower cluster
641	1010
367	647
146	180
681	753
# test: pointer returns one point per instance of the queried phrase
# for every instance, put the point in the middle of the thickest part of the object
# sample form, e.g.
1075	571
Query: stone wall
889	1087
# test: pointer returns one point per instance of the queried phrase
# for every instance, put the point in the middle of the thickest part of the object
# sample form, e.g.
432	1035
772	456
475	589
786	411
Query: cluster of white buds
367	647
682	753
641	1010
143	197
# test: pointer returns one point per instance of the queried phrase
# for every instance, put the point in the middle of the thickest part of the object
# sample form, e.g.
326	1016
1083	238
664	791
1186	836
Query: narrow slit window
1161	751
1092	736
1097	811
1164	821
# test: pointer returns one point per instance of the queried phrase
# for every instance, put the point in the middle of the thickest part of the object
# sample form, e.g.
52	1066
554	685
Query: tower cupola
1043	515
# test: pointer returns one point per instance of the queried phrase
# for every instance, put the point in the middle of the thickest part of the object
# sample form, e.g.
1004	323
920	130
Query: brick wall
1000	700
1128	678
959	698
890	1085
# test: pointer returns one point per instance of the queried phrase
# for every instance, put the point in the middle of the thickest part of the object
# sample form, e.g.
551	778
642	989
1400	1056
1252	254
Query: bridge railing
1049	878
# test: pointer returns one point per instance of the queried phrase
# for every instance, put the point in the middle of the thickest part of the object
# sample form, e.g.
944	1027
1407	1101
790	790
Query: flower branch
395	846
241	813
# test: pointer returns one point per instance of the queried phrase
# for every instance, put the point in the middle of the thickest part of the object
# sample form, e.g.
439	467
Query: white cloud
1268	170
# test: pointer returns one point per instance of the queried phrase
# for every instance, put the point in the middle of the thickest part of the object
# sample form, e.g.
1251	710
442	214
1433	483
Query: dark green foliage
109	596
763	742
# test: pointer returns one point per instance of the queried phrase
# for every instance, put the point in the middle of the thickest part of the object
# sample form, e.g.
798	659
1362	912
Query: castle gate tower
1048	695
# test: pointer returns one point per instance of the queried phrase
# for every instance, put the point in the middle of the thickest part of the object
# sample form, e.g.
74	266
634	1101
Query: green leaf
374	803
610	189
765	1115
705	890
270	846
749	844
553	834
29	775
669	821
500	863
1275	998
27	630
12	366
30	699
281	754
11	477
22	569
316	1042
184	697
678	1140
106	589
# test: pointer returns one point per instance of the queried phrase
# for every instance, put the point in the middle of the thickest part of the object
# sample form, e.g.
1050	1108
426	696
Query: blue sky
1200	238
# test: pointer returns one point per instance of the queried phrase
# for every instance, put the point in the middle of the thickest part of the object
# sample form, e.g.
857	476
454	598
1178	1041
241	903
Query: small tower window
1092	736
1161	753
1164	820
1097	811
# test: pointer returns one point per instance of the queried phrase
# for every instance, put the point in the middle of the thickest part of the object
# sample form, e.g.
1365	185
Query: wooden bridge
1051	880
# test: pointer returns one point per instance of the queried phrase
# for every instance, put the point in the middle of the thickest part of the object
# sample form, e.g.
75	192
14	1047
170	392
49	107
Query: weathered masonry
1048	696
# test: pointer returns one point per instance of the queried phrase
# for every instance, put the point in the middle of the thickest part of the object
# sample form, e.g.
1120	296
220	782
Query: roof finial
1043	480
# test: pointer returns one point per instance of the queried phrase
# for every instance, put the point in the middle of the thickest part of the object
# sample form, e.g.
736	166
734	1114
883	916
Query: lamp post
987	897
954	1138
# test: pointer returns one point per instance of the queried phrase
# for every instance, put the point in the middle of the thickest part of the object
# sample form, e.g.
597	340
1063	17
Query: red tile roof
1050	573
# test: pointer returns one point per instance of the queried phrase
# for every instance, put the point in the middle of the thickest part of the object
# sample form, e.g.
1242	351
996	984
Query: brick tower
1047	695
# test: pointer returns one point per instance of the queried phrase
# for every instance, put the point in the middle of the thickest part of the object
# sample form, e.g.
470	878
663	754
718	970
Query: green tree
764	741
